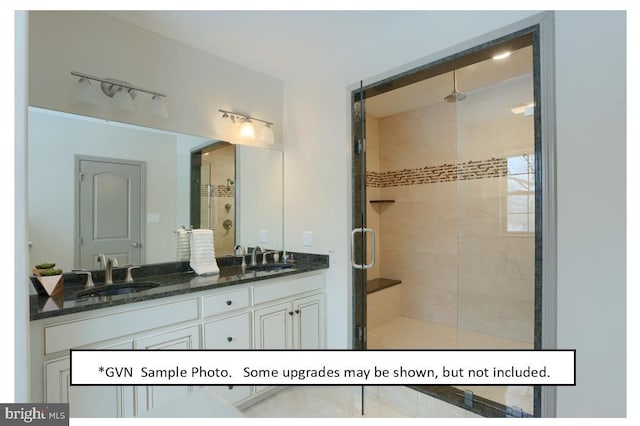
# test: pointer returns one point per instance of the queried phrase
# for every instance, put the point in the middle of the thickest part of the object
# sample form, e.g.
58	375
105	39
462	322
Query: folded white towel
203	257
183	245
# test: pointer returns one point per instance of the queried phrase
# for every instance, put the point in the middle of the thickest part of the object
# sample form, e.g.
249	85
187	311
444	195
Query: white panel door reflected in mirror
56	138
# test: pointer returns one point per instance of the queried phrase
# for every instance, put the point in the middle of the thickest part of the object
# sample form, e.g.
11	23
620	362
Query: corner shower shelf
378	284
382	201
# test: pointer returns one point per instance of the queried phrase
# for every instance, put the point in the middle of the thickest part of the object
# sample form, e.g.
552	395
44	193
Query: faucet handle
243	253
129	278
89	282
264	256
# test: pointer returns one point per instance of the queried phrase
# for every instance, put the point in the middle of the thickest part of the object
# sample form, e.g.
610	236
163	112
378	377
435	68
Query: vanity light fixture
84	92
247	128
122	92
266	135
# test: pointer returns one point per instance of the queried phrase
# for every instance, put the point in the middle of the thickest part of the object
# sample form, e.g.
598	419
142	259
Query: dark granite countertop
174	278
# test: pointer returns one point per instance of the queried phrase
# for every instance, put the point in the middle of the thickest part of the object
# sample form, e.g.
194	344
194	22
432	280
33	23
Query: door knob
136	245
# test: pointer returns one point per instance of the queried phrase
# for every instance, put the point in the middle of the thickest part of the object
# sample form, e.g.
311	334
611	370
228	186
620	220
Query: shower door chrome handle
353	248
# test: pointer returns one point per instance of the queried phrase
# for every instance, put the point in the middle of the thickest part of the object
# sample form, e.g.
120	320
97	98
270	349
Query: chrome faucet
264	256
243	253
254	252
109	264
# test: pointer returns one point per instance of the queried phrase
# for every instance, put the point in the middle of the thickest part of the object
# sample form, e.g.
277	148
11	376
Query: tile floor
395	401
408	333
345	401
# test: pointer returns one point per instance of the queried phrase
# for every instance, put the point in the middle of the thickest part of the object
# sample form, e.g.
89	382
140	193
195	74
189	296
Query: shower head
455	96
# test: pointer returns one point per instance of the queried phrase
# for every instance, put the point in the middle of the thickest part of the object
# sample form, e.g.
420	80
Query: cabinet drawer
228	333
82	332
232	394
279	290
226	302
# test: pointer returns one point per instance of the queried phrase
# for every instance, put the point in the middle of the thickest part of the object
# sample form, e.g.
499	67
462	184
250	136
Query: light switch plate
262	236
307	238
153	217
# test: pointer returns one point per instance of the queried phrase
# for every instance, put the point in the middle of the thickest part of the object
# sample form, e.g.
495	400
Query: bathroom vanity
278	309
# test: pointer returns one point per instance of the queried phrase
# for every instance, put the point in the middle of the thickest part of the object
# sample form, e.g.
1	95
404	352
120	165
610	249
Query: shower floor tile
409	333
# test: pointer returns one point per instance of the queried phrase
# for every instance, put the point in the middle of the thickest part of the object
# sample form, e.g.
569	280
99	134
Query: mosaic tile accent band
218	191
482	169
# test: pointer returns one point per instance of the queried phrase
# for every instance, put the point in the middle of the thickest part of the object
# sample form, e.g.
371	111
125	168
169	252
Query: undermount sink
270	267
116	289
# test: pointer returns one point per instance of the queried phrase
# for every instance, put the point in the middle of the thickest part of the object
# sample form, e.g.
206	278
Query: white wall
591	206
591	116
54	140
259	196
197	84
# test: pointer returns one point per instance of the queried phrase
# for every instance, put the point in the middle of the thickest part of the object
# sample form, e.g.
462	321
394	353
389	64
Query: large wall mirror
71	154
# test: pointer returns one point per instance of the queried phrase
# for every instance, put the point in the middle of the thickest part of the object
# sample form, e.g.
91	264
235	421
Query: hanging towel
183	246
203	257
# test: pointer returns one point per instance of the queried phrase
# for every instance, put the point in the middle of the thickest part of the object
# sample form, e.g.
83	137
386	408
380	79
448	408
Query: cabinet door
272	327
232	394
149	397
308	322
228	333
86	401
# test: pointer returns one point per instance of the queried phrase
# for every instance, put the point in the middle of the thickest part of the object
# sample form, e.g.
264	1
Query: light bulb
123	99
158	108
247	131
84	91
266	135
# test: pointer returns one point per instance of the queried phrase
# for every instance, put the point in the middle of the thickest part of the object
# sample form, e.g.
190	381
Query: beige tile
400	396
384	305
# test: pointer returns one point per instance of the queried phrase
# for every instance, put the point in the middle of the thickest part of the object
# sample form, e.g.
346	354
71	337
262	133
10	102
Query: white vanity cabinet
294	322
87	401
290	325
279	313
228	328
108	328
149	397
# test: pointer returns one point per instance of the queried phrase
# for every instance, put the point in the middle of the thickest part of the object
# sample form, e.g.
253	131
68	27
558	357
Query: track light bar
111	86
246	117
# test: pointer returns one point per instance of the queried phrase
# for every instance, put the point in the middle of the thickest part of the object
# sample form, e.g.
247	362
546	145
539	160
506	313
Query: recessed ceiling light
502	55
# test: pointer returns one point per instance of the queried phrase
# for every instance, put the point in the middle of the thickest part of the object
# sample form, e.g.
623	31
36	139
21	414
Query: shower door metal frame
540	28
359	221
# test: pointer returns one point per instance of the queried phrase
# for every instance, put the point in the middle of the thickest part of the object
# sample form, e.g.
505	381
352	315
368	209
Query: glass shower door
496	240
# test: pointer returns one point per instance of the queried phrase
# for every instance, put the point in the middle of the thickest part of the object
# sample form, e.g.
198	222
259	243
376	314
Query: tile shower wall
445	237
495	263
418	231
220	164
